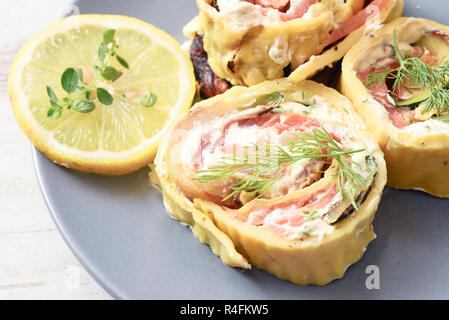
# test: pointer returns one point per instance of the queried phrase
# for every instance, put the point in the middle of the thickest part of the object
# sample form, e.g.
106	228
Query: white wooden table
35	263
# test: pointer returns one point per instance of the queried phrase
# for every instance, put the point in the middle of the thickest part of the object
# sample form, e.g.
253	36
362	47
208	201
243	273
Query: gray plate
119	230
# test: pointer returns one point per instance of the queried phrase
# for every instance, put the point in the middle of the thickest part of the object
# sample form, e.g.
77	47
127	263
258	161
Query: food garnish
79	94
97	92
414	74
263	166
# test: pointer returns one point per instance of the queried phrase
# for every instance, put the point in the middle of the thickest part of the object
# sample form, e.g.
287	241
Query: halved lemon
113	139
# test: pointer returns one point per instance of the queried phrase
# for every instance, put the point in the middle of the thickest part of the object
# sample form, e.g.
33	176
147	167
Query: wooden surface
35	263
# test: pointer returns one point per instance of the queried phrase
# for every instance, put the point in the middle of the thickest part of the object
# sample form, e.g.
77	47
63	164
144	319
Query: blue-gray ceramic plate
119	230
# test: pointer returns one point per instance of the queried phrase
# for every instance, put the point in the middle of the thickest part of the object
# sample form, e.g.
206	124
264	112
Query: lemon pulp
113	139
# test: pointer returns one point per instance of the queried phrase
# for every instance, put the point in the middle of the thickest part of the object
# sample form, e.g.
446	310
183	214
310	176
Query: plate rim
102	280
105	282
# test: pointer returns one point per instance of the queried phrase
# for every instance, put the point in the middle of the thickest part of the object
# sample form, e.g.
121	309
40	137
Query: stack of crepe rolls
250	41
413	136
310	223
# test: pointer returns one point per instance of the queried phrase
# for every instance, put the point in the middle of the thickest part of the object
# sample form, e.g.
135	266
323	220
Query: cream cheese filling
247	15
314	107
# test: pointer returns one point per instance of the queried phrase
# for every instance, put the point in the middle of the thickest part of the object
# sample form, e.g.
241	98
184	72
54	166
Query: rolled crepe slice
375	13
306	215
414	138
245	42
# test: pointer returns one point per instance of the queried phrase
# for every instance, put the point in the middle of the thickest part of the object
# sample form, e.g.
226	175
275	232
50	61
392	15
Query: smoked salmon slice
373	9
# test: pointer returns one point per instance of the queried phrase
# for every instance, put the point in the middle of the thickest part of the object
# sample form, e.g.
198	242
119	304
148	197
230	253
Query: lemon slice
113	139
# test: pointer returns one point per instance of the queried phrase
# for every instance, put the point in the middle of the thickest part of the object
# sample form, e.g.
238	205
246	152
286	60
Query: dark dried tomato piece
210	84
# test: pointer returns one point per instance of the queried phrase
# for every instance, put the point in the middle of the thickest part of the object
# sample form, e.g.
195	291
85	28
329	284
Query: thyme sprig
106	52
257	170
79	94
413	73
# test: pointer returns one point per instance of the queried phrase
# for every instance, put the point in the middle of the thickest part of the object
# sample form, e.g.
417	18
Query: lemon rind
104	162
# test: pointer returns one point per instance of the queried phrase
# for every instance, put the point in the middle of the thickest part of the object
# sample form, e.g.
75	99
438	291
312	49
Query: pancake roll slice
245	42
280	176
398	81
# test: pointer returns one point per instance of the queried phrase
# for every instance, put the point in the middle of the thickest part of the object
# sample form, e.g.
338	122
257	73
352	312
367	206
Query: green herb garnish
412	74
311	216
256	171
444	118
148	100
106	52
79	94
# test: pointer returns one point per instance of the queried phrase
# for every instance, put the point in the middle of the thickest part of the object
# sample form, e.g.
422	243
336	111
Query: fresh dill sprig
413	73
438	101
256	171
349	182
